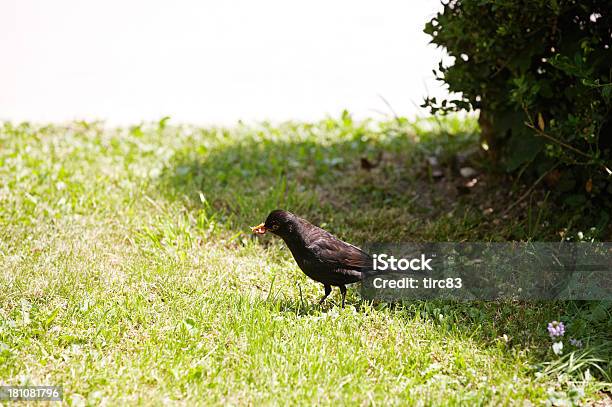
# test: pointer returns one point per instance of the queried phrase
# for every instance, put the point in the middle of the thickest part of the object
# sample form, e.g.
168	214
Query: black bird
321	256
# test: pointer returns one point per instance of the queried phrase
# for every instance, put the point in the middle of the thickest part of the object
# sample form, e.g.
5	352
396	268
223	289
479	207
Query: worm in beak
259	229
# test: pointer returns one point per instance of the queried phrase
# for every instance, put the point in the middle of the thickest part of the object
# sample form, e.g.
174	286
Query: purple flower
556	329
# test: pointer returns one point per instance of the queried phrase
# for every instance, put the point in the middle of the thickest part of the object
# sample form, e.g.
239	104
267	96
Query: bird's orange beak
259	229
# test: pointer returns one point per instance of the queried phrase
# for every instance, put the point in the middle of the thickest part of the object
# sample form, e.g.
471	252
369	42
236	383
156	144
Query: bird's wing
333	251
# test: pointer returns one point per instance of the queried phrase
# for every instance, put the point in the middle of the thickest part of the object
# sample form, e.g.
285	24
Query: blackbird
321	256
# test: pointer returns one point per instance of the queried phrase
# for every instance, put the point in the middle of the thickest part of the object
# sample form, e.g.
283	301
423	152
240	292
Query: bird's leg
327	292
343	291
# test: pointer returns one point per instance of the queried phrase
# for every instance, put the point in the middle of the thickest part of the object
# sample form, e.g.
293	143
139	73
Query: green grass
129	275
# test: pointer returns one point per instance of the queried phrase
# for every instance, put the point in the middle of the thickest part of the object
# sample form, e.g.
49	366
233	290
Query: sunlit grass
128	273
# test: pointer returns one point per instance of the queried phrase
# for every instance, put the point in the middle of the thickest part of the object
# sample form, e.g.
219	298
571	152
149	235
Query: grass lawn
128	273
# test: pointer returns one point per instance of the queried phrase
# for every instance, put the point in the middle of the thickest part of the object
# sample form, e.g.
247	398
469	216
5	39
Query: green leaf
506	120
523	147
52	317
575	200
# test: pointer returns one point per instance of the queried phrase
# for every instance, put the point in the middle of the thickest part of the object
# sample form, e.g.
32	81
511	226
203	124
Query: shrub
539	72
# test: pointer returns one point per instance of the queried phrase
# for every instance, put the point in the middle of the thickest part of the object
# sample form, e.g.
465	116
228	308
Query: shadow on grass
324	181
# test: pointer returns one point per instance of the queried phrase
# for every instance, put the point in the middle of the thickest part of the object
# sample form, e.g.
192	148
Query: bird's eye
274	227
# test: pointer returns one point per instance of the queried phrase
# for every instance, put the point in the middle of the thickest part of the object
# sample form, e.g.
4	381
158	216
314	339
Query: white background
203	61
